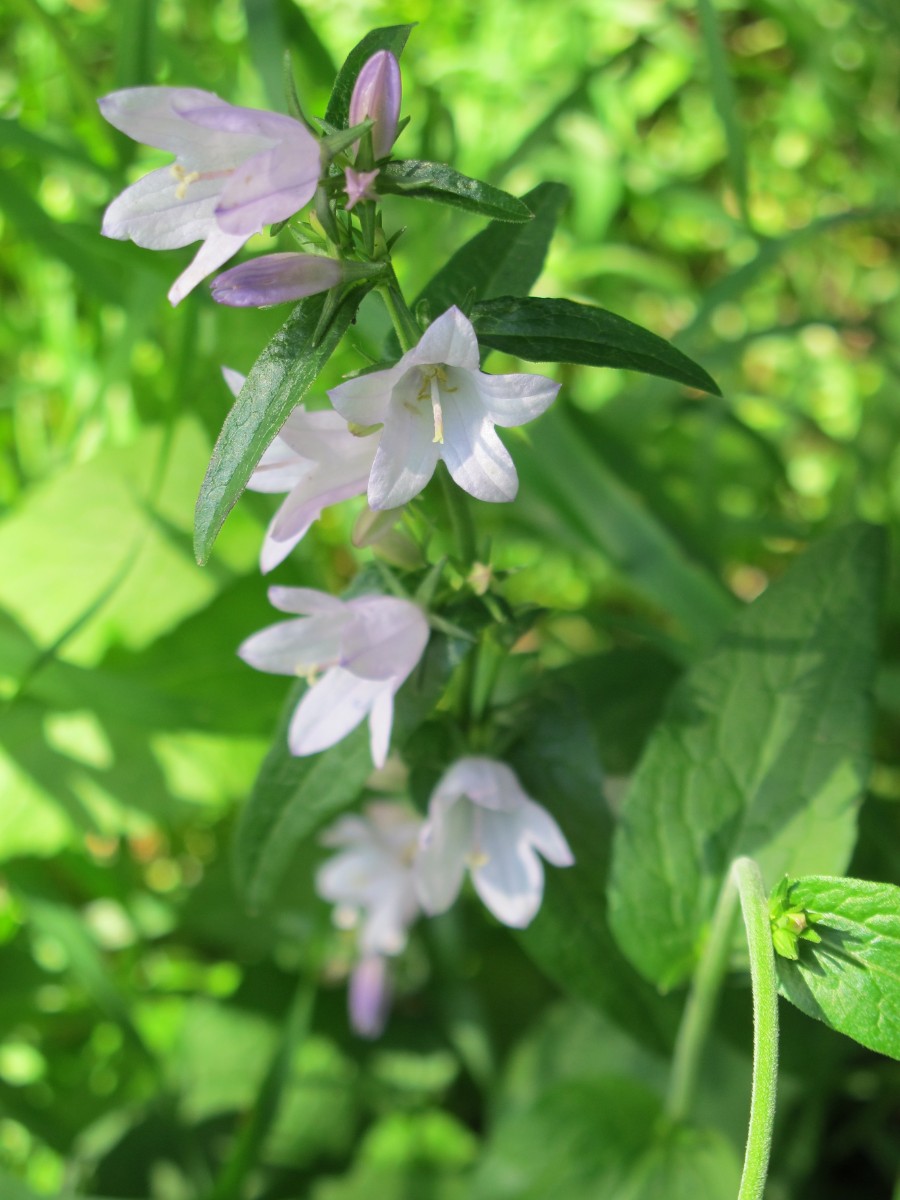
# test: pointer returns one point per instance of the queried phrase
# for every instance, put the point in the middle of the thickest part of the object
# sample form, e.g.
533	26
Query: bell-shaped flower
366	648
376	95
371	878
480	819
436	403
317	461
235	170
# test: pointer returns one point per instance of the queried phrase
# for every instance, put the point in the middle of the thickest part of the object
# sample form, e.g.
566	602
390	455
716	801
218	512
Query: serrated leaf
556	760
542	330
280	378
851	979
763	751
293	796
388	37
503	259
440	183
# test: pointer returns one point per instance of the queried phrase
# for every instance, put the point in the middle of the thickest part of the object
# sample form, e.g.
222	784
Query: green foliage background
734	181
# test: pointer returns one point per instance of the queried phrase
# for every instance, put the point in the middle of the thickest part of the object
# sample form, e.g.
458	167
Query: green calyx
789	922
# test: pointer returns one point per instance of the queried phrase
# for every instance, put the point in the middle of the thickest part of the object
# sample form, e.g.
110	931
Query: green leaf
543	330
570	494
503	259
280	378
556	760
293	796
763	751
589	1138
438	182
851	979
389	37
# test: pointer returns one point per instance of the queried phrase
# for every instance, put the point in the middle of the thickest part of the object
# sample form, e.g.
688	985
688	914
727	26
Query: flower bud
277	278
376	94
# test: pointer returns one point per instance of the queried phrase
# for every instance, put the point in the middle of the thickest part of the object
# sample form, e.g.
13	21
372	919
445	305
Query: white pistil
436	410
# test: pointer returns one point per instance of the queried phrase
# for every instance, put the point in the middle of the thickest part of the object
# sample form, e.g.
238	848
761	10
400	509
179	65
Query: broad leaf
851	979
280	378
557	762
389	37
543	330
763	751
503	259
590	1138
438	182
292	796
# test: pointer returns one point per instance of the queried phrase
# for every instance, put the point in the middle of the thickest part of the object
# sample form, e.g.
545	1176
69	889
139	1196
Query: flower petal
365	400
381	719
295	647
217	249
407	453
544	834
369	997
331	709
449	340
511	880
275	279
270	186
441	861
154	214
386	638
476	458
151	115
507	399
235	381
306	601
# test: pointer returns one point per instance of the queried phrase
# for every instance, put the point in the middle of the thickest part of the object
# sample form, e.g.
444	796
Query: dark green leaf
556	760
562	331
503	259
851	979
438	182
280	378
389	37
763	751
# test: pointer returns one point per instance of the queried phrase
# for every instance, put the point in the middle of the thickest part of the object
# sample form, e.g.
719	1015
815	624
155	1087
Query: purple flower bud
369	998
376	94
276	278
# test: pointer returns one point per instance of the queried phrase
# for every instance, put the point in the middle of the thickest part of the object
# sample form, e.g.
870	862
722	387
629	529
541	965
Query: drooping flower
366	647
436	403
371	878
480	819
235	170
318	462
359	186
376	94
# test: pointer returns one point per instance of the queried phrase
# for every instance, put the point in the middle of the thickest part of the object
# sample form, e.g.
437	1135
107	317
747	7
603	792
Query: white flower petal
441	862
511	879
365	399
217	249
306	601
450	340
295	647
407	453
381	719
274	550
544	834
235	381
506	399
476	458
154	215
270	187
151	115
331	709
280	469
386	638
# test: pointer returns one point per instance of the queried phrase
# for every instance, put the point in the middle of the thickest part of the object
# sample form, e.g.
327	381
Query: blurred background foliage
734	181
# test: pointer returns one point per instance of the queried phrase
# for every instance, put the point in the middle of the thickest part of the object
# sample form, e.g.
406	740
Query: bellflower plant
436	403
235	170
366	648
480	819
478	709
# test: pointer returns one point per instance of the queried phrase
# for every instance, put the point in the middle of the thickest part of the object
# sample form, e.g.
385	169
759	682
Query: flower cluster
235	171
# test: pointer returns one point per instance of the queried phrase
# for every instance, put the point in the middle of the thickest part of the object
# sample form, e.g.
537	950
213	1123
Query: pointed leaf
763	751
851	979
389	37
280	378
542	330
438	182
503	259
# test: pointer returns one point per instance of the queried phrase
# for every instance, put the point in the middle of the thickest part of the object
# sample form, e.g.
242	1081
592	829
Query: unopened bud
278	278
376	94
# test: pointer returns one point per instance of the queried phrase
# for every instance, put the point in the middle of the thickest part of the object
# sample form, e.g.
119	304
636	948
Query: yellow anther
185	179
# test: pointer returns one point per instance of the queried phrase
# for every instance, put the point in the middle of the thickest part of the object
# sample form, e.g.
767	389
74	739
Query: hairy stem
754	905
405	326
701	1005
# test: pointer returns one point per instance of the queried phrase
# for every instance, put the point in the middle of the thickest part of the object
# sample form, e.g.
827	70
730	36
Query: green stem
405	326
701	1005
763	978
459	515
